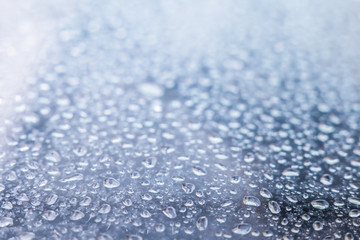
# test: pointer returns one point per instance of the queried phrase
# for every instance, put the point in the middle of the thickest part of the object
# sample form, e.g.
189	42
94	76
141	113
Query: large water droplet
76	215
274	207
170	212
111	182
320	204
251	201
202	223
242	229
49	215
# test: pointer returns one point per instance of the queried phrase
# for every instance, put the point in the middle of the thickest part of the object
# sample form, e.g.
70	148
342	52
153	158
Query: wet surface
206	120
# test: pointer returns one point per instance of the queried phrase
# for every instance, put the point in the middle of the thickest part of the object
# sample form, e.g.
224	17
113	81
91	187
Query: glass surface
179	119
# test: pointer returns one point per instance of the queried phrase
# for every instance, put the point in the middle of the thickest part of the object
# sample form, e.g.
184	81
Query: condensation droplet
170	212
242	229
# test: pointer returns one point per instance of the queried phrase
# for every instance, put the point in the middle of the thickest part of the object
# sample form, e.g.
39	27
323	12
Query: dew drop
290	172
242	229
111	182
199	171
251	201
320	204
202	223
49	215
170	212
76	215
188	187
274	207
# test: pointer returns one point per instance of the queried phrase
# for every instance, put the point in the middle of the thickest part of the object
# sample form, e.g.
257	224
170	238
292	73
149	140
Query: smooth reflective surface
159	120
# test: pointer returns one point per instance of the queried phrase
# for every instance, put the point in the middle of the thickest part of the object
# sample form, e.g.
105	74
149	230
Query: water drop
170	212
242	229
53	156
202	223
274	207
188	187
320	204
111	182
76	215
49	215
199	171
326	179
290	172
251	201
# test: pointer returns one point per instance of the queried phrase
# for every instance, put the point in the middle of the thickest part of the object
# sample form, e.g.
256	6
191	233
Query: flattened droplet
105	208
290	172
318	226
49	215
354	213
6	221
53	156
133	237
76	215
111	182
26	236
72	178
354	200
51	199
264	192
170	212
227	203
274	207
151	89
251	201
320	204
202	223
242	229
199	171
149	162
326	179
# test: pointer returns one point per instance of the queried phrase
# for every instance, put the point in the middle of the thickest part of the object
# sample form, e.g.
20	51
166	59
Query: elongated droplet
290	172
199	171
242	229
320	204
111	182
251	201
6	221
202	223
76	215
353	200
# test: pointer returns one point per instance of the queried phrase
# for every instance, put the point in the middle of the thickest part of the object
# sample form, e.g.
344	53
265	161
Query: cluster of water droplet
116	139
